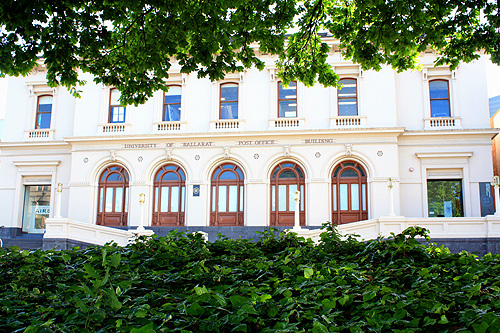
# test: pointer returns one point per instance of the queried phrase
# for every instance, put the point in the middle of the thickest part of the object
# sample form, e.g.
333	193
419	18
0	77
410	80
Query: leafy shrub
281	283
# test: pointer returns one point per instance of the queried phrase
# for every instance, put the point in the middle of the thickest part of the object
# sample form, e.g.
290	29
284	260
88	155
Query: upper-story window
172	104
229	101
116	110
348	98
439	98
43	111
287	100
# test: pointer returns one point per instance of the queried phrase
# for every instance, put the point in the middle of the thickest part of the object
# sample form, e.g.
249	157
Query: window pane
440	108
228	175
164	199
348	173
229	110
445	198
101	197
348	88
289	92
438	89
343	197
115	177
289	174
109	200
233	198
348	107
174	200
287	109
334	196
43	120
302	193
118	114
241	199
229	92
222	206
126	200
170	176
291	197
214	197
36	207
183	193
119	200
115	97
273	198
173	95
156	199
282	198
172	112
354	197
363	193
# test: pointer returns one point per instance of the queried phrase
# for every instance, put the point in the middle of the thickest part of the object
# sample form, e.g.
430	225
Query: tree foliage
132	44
179	283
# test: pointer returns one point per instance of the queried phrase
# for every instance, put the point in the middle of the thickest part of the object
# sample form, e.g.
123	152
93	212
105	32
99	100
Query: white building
233	152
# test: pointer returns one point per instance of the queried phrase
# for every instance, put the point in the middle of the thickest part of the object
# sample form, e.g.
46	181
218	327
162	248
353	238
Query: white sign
45	210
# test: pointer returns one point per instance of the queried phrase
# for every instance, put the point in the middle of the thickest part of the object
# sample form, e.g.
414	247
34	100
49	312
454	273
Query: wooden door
227	197
349	193
287	178
113	197
169	196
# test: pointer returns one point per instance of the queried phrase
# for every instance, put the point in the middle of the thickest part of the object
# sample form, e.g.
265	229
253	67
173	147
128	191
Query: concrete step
25	241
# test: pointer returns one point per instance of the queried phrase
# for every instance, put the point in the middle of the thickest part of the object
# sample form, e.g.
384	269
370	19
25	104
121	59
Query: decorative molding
286	151
168	154
80	184
138	183
256	181
36	163
112	155
196	182
318	180
465	154
384	179
348	149
227	152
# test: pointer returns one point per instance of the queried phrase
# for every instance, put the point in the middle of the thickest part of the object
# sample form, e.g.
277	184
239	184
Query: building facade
234	152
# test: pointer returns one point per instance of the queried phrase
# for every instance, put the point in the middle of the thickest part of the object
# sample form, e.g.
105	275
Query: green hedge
179	283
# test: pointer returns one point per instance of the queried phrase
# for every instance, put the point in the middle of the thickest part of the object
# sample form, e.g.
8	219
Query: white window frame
275	122
440	73
36	90
160	126
105	127
360	120
217	124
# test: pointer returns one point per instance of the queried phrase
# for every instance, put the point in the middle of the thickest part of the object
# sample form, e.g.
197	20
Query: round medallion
380	153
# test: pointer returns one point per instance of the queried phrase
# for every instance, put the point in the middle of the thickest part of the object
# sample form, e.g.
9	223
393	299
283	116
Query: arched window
113	196
349	193
168	196
226	207
286	178
172	103
348	98
43	111
439	98
229	101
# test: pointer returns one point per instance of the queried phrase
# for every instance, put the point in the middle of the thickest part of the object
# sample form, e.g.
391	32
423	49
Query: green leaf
201	290
308	272
237	300
319	328
195	309
480	328
240	328
144	329
222	301
443	320
91	271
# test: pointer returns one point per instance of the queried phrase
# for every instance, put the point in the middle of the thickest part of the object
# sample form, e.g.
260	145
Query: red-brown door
287	178
113	197
227	197
169	196
349	193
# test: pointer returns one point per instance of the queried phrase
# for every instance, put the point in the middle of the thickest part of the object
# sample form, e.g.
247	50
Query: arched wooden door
287	178
168	196
227	196
113	197
349	193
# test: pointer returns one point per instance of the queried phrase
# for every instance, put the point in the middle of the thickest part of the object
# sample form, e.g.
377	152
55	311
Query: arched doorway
287	177
113	197
226	208
349	193
169	196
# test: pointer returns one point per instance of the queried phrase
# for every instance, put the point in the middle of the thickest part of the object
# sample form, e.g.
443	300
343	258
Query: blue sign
196	190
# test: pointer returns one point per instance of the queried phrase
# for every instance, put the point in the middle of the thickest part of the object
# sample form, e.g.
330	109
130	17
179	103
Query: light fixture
496	181
59	187
389	183
142	198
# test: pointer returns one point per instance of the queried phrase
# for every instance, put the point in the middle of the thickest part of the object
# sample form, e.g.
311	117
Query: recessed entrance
349	193
113	197
227	196
287	178
169	195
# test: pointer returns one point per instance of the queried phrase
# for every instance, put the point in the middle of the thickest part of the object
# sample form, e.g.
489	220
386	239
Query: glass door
36	208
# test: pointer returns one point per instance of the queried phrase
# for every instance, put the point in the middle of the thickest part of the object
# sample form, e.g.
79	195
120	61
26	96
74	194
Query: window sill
348	122
169	126
286	123
44	134
227	125
442	122
113	128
